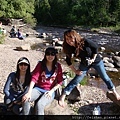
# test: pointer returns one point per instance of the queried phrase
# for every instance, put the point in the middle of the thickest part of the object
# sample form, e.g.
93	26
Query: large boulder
25	47
75	94
55	109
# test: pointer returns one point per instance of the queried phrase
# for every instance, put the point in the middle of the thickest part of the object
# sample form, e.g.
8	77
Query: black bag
58	93
3	110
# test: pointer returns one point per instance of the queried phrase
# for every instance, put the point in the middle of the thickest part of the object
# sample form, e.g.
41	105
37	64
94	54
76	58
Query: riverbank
92	95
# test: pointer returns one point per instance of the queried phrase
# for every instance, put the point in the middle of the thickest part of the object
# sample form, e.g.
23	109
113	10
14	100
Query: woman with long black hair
16	85
46	79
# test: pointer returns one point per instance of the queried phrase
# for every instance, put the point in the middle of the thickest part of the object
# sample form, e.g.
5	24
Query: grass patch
71	74
84	81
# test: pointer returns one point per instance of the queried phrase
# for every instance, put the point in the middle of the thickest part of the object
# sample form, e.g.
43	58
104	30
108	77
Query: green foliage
2	38
29	19
84	81
18	9
98	13
102	13
3	5
71	74
42	9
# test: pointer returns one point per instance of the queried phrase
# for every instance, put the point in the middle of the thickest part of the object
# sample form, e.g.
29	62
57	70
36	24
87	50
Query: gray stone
25	47
117	60
111	69
75	94
55	109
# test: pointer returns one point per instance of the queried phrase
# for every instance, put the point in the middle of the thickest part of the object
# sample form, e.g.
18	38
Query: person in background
13	32
46	79
0	27
16	85
87	51
2	30
19	35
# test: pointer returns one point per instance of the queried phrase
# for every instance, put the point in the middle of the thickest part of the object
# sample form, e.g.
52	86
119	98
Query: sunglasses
25	64
50	53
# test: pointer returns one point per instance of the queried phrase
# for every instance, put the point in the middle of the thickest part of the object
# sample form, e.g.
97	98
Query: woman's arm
48	94
72	68
78	72
69	63
55	88
31	87
8	83
94	57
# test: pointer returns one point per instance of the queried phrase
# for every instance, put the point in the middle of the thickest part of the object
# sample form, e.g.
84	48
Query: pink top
47	83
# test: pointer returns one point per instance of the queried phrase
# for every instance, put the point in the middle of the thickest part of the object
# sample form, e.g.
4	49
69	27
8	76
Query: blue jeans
99	67
40	101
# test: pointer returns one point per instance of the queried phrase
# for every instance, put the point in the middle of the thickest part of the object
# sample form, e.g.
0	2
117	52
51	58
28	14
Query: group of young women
23	86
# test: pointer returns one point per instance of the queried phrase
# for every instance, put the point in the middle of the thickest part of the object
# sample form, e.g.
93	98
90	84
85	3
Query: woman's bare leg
61	101
116	94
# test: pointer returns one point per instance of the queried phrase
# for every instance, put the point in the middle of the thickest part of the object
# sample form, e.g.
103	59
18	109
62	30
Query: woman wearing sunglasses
46	79
86	51
16	85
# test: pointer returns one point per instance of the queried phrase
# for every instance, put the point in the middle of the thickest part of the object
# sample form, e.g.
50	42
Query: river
109	40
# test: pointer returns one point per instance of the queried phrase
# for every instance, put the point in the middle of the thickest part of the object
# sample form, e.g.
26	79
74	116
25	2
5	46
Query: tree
18	9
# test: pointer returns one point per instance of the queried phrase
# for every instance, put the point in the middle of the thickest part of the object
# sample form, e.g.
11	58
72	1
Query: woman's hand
78	72
26	97
48	94
90	61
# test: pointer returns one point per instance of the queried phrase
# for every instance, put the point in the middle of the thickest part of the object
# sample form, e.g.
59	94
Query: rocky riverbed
91	96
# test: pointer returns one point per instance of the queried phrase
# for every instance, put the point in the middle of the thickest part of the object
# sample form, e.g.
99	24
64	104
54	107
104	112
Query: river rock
25	47
75	94
117	60
55	109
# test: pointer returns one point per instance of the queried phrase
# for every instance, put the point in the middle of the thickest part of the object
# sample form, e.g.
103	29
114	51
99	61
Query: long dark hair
27	75
44	61
79	43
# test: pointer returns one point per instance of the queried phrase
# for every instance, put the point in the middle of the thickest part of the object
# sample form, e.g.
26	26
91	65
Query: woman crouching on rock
87	51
